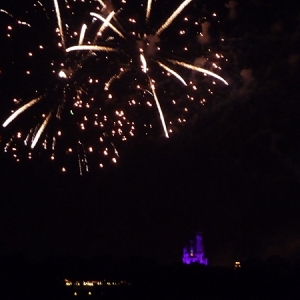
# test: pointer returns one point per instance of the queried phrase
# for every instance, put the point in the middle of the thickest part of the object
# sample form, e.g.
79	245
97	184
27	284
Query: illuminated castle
195	252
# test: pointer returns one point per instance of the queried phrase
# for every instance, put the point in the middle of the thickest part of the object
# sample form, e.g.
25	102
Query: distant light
237	265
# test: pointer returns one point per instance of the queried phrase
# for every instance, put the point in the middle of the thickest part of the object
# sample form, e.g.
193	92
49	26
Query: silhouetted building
195	252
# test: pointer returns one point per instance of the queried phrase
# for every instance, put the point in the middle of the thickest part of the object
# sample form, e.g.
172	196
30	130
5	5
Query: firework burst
118	72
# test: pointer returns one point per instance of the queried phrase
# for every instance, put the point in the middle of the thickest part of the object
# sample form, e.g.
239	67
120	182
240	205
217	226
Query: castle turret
199	245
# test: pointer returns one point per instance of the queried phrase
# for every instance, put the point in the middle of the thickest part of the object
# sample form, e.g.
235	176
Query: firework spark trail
27	139
21	110
7	13
144	63
109	24
161	115
91	47
82	159
102	28
198	69
172	72
173	16
57	10
115	149
85	161
149	6
60	109
40	131
79	160
115	77
53	143
102	3
109	9
82	34
106	23
17	20
44	9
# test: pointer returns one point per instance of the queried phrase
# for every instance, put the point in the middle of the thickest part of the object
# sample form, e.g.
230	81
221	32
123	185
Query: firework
115	79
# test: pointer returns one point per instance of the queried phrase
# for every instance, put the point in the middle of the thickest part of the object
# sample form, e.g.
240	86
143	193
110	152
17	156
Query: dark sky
233	173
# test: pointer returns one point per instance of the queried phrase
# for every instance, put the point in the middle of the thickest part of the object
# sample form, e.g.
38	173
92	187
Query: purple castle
195	252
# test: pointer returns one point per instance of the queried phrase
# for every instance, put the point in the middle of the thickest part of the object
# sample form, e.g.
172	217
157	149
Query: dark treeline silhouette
272	278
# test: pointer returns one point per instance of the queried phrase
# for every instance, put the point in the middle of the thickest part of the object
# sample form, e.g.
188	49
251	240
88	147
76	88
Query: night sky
232	172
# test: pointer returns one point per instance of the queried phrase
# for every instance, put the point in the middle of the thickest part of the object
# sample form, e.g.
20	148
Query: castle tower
199	245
